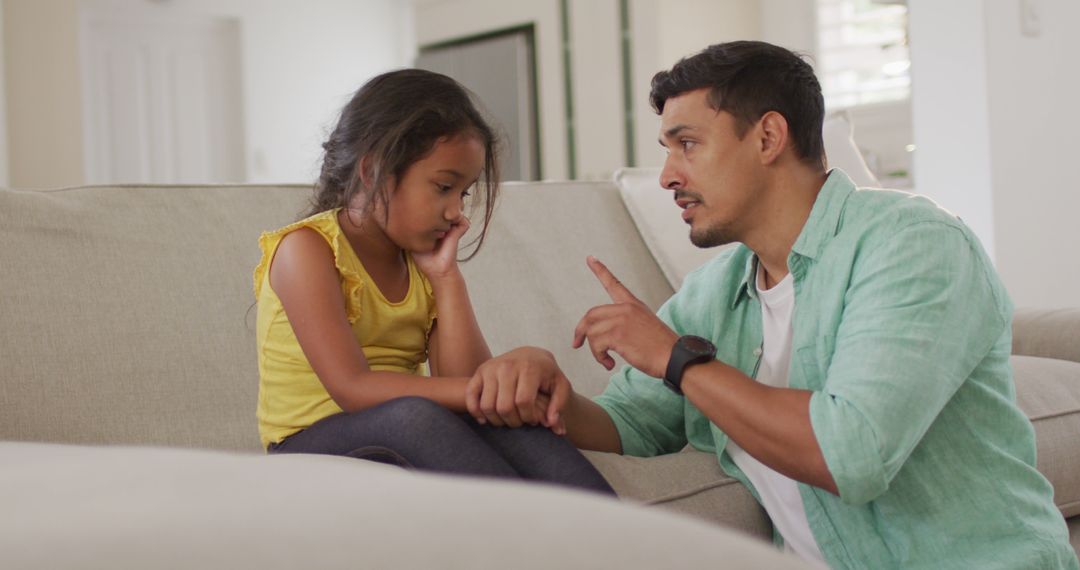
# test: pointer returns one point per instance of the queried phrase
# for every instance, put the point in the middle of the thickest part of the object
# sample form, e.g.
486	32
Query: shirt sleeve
921	312
648	415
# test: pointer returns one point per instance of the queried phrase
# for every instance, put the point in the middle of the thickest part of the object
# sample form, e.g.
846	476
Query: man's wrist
686	352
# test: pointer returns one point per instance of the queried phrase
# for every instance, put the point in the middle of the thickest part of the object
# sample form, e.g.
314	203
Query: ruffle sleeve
325	223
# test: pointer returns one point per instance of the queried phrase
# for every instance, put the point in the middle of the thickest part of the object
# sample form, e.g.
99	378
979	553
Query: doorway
500	68
162	98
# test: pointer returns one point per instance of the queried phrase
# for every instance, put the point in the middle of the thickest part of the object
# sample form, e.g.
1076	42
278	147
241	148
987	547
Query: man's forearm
771	424
588	426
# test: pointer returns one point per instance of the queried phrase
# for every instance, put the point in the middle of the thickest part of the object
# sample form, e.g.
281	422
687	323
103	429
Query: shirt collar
824	219
746	285
820	226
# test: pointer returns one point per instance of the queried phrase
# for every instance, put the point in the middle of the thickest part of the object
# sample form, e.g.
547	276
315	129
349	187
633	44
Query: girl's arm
456	346
304	277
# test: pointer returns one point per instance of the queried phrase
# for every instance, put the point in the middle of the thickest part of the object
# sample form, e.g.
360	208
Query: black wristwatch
688	350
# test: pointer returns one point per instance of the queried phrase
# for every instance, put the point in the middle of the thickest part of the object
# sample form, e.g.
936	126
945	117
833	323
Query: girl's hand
543	401
442	261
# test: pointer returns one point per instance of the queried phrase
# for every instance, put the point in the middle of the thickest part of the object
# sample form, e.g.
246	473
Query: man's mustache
686	194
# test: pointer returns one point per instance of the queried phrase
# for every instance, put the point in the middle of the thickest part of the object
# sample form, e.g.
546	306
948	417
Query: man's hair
749	79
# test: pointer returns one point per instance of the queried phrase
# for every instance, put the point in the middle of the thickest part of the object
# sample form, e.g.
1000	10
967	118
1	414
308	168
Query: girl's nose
453	211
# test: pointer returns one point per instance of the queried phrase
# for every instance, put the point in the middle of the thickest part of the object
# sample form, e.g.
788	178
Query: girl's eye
465	194
444	188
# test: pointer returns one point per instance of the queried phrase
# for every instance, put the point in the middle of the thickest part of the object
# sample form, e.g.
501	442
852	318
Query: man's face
715	175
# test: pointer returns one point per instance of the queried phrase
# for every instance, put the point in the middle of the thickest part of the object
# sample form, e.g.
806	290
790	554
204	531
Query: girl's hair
393	121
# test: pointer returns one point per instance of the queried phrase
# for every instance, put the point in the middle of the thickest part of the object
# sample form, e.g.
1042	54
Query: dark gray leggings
415	432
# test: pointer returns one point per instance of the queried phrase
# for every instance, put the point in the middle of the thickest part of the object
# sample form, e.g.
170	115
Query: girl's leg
536	453
411	432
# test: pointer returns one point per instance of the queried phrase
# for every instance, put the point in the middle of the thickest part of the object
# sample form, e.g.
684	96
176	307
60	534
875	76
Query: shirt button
757	351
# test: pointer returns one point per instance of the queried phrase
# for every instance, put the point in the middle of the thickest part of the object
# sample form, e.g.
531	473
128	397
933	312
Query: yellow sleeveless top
393	335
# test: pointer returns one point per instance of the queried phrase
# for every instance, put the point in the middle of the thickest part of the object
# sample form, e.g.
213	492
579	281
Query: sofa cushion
1048	391
659	221
838	135
529	284
690	482
126	312
84	507
1050	333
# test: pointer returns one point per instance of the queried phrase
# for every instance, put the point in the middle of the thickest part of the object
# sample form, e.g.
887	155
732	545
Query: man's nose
670	177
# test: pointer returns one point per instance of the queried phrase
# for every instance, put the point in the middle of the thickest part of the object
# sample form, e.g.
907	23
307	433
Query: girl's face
429	198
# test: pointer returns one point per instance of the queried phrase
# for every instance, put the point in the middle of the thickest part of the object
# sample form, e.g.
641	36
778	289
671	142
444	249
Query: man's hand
523	386
627	327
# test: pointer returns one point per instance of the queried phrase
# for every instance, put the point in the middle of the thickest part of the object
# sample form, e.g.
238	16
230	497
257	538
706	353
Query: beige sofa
127	319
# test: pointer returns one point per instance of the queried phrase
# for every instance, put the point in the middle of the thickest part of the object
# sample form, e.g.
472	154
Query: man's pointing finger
615	289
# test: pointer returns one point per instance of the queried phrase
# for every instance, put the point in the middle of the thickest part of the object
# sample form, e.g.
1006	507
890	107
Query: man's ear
772	133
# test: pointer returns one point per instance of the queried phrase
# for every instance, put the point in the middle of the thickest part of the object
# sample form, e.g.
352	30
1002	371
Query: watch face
697	345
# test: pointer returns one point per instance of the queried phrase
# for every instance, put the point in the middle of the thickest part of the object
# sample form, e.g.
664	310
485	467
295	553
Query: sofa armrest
1053	333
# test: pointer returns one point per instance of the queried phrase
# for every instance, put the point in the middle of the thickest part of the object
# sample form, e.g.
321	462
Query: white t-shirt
779	494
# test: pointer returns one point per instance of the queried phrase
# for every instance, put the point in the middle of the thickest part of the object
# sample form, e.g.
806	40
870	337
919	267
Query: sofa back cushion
127	312
1048	391
124	314
530	285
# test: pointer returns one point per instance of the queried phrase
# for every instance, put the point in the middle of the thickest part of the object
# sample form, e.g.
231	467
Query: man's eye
687	144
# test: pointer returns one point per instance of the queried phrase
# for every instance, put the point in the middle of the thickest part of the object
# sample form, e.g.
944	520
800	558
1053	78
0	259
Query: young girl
353	299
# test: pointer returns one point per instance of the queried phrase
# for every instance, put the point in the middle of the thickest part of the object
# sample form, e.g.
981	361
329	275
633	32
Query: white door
161	98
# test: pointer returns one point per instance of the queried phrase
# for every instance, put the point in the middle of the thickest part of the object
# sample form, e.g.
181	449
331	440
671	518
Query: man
848	362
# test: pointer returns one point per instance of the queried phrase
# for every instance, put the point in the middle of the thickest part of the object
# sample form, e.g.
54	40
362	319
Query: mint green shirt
902	331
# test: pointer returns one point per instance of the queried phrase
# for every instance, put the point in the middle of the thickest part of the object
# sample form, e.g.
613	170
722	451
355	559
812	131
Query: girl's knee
380	454
413	412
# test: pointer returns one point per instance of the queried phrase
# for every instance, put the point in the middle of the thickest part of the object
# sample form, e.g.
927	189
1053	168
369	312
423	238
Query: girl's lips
439	234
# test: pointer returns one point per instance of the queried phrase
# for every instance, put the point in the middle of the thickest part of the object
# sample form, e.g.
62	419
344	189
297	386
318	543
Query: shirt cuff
850	446
632	443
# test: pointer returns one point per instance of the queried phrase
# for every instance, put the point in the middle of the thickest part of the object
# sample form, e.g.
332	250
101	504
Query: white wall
995	129
600	135
43	95
790	23
666	31
301	62
647	47
949	110
1034	91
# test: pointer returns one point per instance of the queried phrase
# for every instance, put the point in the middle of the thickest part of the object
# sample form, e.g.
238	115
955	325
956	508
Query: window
863	52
